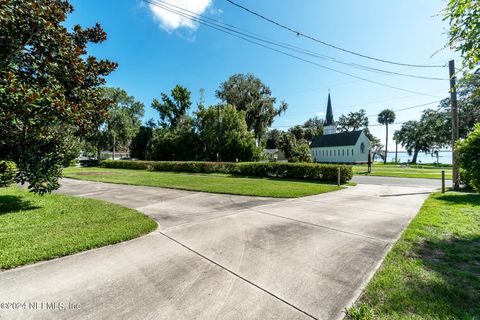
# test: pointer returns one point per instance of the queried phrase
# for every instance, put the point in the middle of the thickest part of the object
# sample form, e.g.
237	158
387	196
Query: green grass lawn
433	271
216	183
391	170
35	228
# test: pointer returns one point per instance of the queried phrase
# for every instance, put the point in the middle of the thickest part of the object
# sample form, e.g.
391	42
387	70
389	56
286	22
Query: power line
408	108
197	17
361	105
374	115
236	34
301	34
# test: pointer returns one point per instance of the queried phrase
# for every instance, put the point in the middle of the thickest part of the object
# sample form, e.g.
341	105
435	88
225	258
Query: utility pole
453	100
218	133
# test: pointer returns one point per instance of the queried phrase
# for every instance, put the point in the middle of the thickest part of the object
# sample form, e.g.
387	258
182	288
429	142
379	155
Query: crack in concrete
239	276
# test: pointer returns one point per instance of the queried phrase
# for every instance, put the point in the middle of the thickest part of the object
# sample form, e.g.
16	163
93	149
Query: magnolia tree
50	88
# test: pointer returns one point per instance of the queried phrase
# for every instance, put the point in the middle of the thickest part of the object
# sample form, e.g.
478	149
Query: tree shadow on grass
463	198
11	204
455	289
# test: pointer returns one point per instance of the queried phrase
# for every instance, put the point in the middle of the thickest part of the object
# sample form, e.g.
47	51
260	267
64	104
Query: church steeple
329	126
329	117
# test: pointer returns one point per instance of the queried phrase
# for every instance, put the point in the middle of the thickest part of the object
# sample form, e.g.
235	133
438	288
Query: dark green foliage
90	163
469	158
247	93
309	171
236	142
174	143
173	109
297	131
49	87
429	134
313	127
273	139
301	152
325	172
295	150
120	124
138	147
353	121
7	173
464	33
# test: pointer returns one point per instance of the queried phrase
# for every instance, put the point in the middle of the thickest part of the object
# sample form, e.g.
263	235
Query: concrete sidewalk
222	256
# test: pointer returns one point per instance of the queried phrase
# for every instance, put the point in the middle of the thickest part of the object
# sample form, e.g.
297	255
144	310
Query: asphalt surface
221	256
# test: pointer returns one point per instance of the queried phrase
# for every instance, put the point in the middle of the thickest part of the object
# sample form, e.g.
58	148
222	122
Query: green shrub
8	170
126	164
469	158
313	171
90	163
310	171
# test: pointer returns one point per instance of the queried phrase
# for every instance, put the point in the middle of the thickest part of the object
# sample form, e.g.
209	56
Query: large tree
427	135
236	142
273	139
175	143
464	33
313	127
386	117
411	136
121	124
247	93
172	109
49	87
138	146
376	147
353	121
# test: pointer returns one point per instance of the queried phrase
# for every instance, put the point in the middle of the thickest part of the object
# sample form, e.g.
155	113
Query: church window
348	152
352	152
362	148
343	152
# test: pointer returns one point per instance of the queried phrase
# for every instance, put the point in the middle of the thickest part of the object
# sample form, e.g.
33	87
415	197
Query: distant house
274	155
344	147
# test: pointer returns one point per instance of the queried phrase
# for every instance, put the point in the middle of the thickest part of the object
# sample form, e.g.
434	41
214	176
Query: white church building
344	147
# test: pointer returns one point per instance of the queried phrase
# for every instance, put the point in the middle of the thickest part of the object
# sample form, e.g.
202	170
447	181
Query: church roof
348	138
329	117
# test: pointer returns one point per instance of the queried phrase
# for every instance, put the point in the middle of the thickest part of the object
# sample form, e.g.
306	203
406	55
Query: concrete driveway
221	257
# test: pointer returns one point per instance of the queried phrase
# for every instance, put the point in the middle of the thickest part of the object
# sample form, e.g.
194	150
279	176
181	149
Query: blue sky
156	51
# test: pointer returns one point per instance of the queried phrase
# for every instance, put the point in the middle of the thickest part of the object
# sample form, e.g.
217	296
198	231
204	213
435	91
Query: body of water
443	157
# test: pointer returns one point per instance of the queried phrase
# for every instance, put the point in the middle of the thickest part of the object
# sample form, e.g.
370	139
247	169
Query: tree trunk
415	154
99	152
386	145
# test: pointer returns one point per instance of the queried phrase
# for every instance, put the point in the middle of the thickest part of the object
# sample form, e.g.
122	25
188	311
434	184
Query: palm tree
386	117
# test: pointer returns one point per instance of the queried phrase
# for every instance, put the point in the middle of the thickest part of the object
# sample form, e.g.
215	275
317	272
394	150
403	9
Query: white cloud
320	114
171	21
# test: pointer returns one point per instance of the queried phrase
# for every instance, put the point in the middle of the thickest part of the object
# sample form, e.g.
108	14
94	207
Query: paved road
402	182
222	257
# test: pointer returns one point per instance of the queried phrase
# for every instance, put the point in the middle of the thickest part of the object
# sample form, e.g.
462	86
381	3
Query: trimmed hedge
8	170
89	163
312	171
